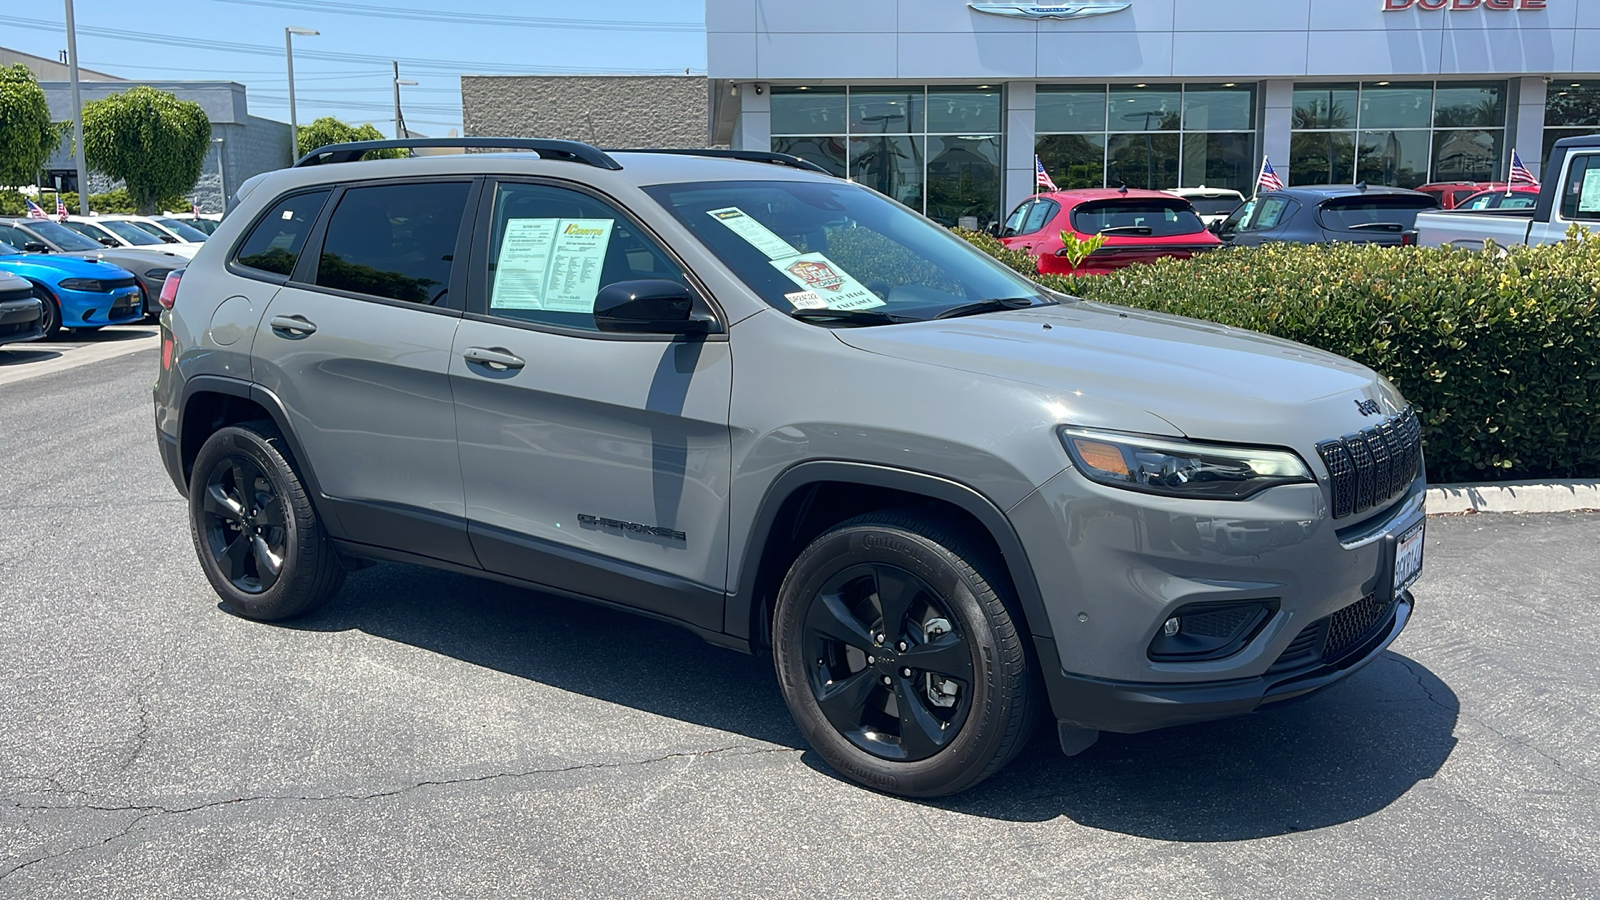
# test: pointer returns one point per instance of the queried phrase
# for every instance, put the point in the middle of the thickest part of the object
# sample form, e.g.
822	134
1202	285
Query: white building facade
943	104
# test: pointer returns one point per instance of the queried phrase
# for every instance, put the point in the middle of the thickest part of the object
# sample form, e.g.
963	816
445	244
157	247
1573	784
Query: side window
13	236
1043	211
1484	202
1018	216
551	250
275	243
1269	214
396	241
1580	190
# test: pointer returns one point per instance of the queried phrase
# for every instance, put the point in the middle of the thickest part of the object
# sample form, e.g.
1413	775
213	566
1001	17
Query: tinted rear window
1379	214
1137	218
275	243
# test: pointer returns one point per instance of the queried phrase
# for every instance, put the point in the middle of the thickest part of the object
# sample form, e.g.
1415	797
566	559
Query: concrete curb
1542	497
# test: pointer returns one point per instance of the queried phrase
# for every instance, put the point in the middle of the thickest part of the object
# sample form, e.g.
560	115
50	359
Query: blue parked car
77	293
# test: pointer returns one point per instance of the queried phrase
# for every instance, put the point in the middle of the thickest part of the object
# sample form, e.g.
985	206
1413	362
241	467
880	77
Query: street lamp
399	121
288	55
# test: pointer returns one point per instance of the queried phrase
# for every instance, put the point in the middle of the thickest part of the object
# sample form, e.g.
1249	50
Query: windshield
8	250
1137	218
62	236
184	230
209	226
810	246
1215	206
131	233
1397	213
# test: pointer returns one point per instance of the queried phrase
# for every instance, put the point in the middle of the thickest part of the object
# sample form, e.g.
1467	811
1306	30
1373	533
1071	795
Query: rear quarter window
1137	218
274	244
1373	214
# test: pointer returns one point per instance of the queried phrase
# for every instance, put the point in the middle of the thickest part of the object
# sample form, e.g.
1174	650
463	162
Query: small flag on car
35	211
1520	173
194	208
61	209
1041	178
1268	180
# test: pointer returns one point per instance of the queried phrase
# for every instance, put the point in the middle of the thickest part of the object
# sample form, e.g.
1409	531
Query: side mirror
35	247
994	229
109	241
169	239
648	306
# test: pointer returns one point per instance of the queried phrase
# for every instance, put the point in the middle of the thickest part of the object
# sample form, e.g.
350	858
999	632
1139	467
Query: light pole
77	115
399	121
288	55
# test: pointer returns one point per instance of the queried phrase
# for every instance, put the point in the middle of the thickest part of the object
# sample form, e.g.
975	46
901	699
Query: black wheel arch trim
744	612
260	396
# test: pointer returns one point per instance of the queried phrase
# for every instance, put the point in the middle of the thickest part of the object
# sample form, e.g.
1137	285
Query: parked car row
1569	196
80	283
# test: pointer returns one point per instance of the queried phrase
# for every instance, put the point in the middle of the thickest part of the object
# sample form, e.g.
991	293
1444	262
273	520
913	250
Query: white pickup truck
1570	194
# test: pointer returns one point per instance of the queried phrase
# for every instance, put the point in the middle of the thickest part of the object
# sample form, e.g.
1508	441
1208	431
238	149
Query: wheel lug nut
872	661
906	672
879	638
887	680
903	646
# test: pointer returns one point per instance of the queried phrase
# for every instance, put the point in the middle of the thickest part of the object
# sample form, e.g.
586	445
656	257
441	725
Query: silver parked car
149	265
729	391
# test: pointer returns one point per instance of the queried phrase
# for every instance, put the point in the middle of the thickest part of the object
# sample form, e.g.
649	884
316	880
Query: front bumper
20	320
83	309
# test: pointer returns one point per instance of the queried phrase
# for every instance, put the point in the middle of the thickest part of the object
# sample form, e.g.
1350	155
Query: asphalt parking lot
428	734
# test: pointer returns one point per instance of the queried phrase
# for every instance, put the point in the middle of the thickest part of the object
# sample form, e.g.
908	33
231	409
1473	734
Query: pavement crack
92	845
1411	667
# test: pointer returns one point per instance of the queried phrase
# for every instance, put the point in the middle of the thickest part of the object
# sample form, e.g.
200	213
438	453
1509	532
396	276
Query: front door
594	463
357	347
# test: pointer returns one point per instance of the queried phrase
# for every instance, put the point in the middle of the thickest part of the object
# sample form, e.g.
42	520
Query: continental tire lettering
895	545
672	534
871	777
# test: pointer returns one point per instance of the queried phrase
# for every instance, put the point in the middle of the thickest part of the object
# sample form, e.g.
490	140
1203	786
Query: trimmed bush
1495	348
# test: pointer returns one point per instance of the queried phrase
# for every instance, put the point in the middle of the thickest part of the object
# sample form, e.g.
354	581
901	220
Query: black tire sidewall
286	596
50	324
967	758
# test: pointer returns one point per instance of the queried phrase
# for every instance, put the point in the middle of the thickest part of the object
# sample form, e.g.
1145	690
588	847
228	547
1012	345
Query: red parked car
1139	227
1522	196
1452	194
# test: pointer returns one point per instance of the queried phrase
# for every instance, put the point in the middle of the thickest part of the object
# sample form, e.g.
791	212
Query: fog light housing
1204	631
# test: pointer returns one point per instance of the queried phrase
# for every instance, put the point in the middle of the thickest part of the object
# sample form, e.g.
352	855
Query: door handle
493	358
293	326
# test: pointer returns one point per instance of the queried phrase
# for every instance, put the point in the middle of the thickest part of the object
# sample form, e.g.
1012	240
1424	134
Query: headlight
1177	468
83	284
158	274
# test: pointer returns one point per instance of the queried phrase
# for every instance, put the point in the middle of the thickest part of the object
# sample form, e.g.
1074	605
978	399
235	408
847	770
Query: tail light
169	288
1408	238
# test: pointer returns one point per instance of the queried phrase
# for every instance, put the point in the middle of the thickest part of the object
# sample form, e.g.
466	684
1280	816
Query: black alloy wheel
51	323
890	673
244	526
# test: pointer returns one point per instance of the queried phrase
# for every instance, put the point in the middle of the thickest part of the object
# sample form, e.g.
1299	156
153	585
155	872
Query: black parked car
1320	214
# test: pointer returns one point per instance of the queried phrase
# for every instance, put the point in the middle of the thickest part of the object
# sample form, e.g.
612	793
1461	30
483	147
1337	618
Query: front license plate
1408	558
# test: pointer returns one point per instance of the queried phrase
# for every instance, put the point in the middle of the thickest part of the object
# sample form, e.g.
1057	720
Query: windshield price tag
755	234
806	300
823	278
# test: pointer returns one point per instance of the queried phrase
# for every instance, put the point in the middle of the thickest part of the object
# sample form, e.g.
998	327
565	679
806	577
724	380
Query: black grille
1354	624
1304	649
20	294
1373	465
1222	623
113	284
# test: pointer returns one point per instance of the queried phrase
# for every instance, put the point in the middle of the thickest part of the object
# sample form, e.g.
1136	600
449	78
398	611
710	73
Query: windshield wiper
1128	229
849	316
1388	226
985	306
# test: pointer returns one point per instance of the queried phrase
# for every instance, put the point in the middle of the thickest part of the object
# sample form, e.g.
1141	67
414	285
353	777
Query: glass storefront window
963	176
1147	136
1135	108
1395	158
972	111
1400	134
826	151
1571	109
890	164
886	111
1387	106
1074	111
808	110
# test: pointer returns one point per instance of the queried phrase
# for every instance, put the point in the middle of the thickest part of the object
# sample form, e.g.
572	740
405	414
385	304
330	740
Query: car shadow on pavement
14	355
1338	755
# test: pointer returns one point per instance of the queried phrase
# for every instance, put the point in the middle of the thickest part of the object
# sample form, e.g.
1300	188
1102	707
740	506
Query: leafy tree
27	136
150	140
328	130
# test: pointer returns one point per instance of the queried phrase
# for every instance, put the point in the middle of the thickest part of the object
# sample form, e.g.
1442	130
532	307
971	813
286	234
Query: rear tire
51	324
257	535
900	658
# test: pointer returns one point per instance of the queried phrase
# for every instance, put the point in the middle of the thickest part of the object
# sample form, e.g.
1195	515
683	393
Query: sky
345	71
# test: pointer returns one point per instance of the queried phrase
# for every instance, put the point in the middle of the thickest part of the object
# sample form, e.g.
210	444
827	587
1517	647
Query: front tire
254	528
899	656
51	323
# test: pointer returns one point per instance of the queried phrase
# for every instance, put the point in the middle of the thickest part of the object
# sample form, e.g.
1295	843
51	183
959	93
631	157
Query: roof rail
569	151
763	156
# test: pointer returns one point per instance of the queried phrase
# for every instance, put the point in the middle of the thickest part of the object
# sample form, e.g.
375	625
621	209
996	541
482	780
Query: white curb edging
1542	497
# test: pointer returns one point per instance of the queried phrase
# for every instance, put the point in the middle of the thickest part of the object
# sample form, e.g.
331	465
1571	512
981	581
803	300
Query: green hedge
1496	348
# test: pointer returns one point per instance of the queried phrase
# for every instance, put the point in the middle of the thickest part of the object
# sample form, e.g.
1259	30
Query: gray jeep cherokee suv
779	409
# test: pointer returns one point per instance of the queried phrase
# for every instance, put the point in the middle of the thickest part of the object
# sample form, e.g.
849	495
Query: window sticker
755	234
1589	198
821	276
806	300
550	264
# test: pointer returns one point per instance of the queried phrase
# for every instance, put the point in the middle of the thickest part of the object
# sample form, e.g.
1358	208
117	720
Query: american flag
194	208
1520	173
35	211
1041	178
61	209
1268	180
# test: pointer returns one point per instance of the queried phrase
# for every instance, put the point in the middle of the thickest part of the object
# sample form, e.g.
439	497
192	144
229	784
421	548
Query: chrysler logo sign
1058	11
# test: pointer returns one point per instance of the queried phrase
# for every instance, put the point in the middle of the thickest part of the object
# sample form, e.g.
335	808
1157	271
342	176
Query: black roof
1583	140
1328	191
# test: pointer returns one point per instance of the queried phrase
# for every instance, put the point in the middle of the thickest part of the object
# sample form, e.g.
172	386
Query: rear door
1372	219
594	463
1577	199
356	345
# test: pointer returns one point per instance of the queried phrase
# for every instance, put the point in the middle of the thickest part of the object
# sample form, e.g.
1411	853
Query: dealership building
943	104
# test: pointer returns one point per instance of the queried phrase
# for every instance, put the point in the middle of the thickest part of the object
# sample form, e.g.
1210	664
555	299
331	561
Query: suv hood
1211	382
